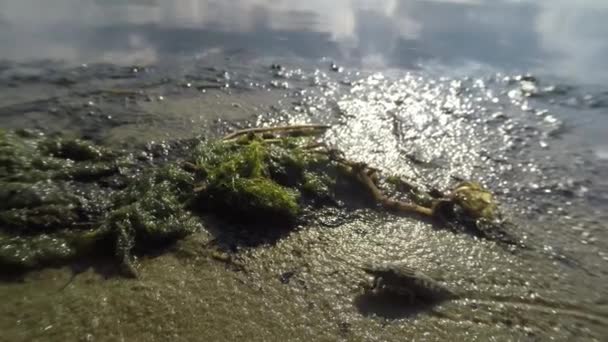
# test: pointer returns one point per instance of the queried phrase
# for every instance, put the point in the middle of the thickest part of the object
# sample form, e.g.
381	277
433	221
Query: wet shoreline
300	286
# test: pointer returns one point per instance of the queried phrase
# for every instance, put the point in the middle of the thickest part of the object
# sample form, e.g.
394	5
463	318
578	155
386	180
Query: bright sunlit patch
602	152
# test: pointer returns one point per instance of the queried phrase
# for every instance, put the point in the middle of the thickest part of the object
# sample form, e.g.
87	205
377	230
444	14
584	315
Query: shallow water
430	90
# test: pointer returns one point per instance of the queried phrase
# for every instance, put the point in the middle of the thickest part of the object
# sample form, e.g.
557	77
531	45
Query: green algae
46	215
317	185
151	211
40	218
56	203
28	195
75	149
19	252
255	198
258	179
54	200
43	227
28	157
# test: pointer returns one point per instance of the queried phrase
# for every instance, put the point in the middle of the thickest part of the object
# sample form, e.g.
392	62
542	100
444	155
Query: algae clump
256	179
56	202
47	215
56	205
32	251
63	198
151	211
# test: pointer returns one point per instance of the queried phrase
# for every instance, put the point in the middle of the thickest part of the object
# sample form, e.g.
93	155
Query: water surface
511	93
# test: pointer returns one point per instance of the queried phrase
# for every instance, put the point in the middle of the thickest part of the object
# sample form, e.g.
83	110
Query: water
560	38
511	93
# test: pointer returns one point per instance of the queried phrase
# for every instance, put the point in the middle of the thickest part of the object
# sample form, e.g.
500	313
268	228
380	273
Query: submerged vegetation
64	198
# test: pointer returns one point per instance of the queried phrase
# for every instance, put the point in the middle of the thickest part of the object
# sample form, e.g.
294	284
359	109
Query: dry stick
362	173
387	202
315	145
352	164
275	129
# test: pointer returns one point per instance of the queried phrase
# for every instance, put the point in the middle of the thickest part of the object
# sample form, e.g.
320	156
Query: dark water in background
439	82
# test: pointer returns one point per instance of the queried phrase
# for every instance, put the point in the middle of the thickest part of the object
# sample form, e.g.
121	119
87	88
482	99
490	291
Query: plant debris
58	201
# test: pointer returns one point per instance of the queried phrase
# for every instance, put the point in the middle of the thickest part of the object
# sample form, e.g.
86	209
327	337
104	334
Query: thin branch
278	129
387	202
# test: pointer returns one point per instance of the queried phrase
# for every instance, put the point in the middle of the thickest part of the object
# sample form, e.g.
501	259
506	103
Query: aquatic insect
400	279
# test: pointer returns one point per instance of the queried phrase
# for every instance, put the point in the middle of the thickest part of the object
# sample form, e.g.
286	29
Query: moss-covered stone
477	201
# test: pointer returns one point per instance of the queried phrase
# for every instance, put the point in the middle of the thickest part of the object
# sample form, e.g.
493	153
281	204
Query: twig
360	170
313	127
387	202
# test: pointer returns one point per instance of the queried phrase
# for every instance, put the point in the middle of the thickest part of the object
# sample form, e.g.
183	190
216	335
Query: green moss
29	195
46	215
41	218
38	226
16	156
56	202
28	157
151	211
23	252
221	161
289	161
52	201
316	185
255	198
257	178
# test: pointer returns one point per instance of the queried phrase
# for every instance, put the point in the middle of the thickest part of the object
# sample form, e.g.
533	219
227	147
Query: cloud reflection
562	37
575	36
